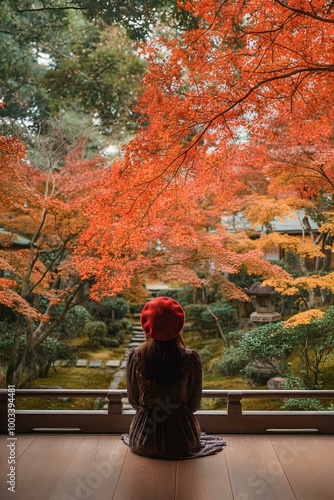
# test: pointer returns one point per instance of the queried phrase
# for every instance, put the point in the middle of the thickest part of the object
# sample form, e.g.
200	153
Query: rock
95	363
82	362
113	362
276	383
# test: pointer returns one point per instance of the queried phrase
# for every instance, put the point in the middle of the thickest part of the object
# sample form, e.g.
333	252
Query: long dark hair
161	361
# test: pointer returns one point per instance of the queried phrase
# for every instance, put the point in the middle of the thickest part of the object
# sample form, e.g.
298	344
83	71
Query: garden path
138	337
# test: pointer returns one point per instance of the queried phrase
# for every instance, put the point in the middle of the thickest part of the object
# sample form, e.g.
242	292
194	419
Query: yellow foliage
291	244
303	318
264	209
282	286
292	286
327	227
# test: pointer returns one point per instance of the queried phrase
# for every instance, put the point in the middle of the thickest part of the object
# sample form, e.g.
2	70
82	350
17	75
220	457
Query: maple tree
13	194
254	67
45	205
299	173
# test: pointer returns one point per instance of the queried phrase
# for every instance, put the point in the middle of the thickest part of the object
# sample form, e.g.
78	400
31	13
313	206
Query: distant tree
138	17
54	60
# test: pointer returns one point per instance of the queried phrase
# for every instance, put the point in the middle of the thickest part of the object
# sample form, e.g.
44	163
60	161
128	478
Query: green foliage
232	362
138	17
193	313
260	373
205	323
49	351
173	293
267	343
96	332
225	314
77	55
119	327
7	331
300	404
266	348
45	354
109	308
183	295
135	308
100	74
205	355
55	60
315	343
21	37
243	279
73	324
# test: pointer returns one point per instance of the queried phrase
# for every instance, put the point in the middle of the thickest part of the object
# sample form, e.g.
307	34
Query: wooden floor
101	467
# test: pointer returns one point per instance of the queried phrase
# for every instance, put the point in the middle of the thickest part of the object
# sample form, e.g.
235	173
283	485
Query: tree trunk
13	360
218	325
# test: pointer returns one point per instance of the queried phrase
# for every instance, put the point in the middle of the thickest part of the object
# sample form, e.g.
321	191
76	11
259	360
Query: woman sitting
164	384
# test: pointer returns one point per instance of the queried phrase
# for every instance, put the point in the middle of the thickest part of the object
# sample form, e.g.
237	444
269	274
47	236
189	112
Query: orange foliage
261	67
47	207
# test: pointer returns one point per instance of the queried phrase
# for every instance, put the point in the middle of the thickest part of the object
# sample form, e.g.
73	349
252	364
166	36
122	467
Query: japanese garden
167	147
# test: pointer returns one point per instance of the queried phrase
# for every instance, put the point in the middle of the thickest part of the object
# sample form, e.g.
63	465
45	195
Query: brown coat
164	425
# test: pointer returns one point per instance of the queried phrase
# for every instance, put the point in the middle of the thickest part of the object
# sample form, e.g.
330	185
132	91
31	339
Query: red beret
162	318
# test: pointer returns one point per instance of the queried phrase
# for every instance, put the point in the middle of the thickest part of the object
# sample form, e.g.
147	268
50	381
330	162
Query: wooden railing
117	420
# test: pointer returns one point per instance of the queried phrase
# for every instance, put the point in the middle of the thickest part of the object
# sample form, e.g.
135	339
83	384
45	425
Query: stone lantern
264	303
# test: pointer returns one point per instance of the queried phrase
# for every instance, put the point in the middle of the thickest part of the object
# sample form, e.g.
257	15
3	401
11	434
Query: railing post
234	403
3	402
115	404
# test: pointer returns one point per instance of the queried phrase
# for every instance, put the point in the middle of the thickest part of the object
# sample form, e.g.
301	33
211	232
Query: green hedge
205	323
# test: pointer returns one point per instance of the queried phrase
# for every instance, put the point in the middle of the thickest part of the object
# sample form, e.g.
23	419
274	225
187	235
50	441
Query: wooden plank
254	469
94	469
327	445
306	466
203	478
38	469
146	479
22	443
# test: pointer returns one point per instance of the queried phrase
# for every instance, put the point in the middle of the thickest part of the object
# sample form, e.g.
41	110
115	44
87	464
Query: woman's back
164	384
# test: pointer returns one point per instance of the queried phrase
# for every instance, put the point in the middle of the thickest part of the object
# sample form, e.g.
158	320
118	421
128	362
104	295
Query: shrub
7	332
97	332
205	323
232	362
135	308
267	343
299	404
225	314
205	354
118	327
183	295
109	308
315	345
259	372
111	342
50	350
73	324
193	313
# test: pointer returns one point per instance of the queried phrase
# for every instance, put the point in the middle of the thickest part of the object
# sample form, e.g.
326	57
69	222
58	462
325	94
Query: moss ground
73	377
